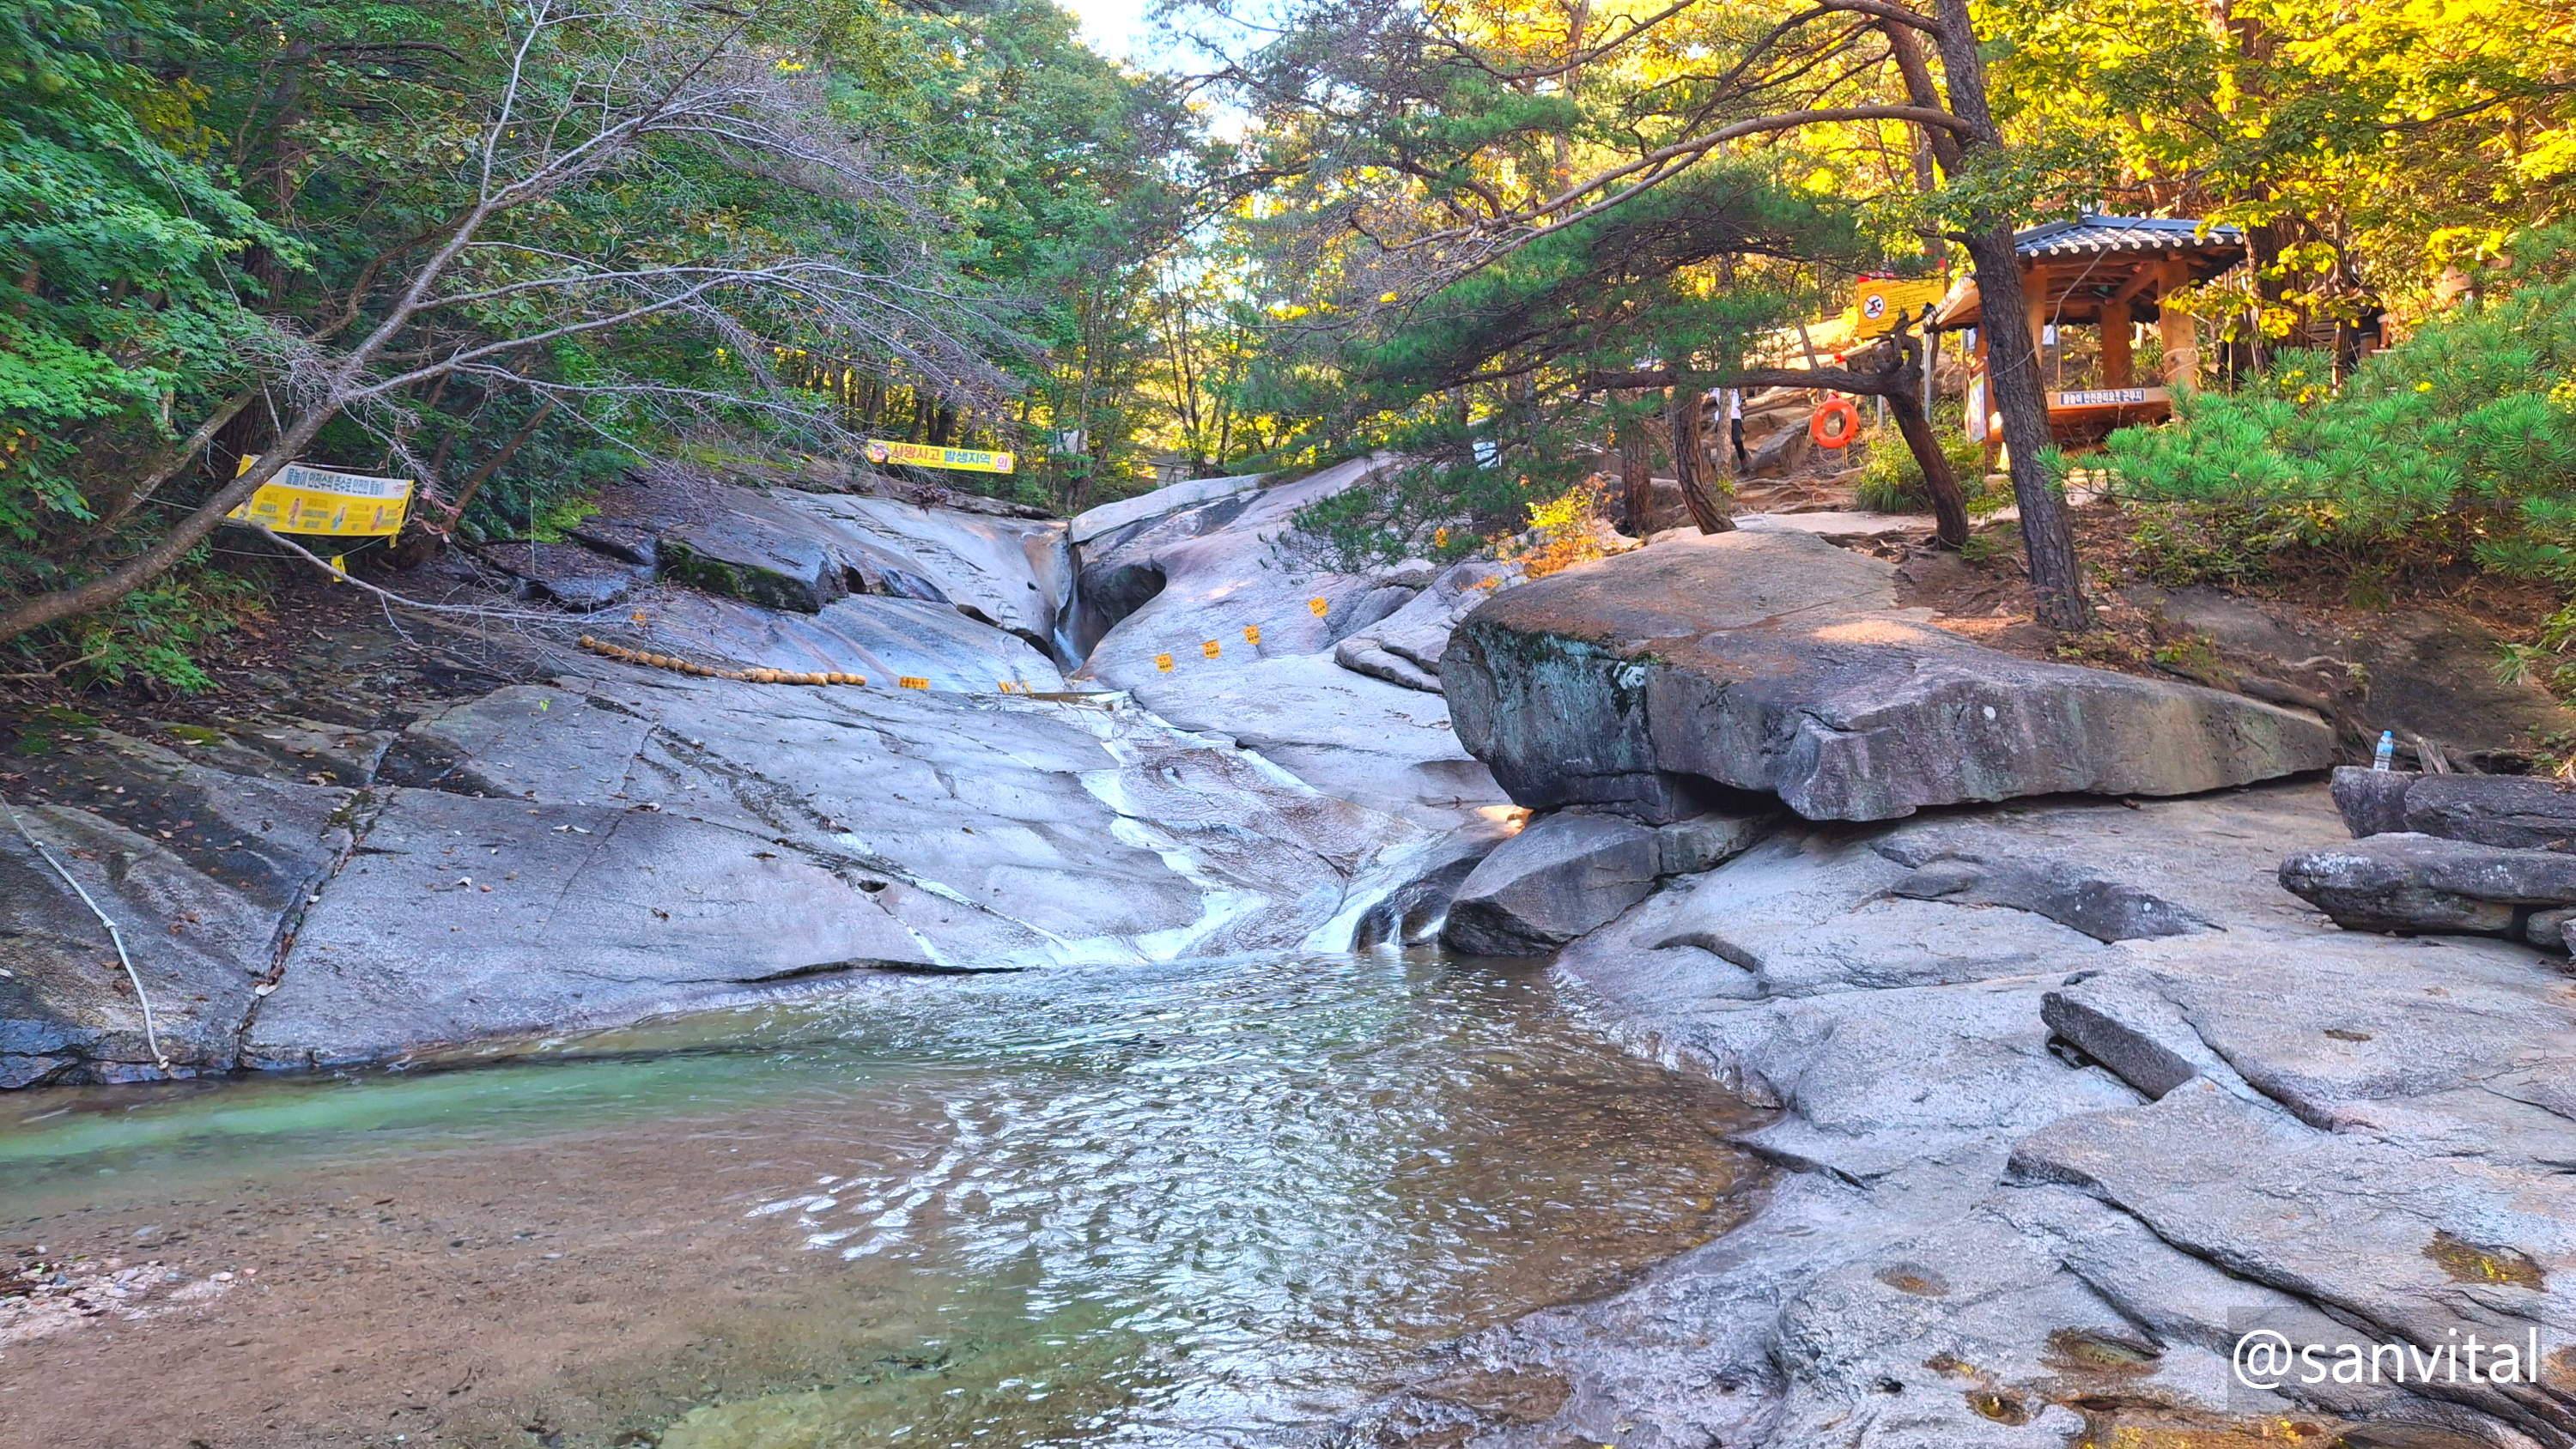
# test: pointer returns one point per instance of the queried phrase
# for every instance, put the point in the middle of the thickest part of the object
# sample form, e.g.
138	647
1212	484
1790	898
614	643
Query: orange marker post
1318	606
1163	662
1251	633
912	681
1211	649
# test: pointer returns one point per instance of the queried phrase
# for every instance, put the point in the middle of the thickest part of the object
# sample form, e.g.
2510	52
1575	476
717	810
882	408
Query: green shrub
2179	544
153	633
2468	427
1892	482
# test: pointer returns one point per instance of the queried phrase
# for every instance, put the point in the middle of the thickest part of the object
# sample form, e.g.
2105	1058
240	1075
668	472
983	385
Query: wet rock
461	918
1408	897
881	639
627	841
576	577
203	871
1561	877
1169	586
2412	882
1777	662
1349	735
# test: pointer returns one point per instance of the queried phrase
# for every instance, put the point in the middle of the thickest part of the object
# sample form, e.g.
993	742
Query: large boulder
1572	872
1158	503
2521	812
1173	584
1560	878
1349	735
2412	882
1776	662
1012	573
2427	674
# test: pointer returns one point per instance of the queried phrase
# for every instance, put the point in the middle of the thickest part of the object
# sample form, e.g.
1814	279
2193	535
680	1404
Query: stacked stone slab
2454	854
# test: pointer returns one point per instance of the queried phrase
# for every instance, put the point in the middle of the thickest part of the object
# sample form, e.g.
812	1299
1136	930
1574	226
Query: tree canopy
511	249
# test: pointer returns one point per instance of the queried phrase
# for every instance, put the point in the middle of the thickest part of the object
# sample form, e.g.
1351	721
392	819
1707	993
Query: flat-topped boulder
2518	812
2405	881
1777	662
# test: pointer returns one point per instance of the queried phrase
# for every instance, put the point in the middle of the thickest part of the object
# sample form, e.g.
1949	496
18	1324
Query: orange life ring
1842	432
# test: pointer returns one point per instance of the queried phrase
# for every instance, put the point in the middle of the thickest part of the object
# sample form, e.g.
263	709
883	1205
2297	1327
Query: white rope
151	1029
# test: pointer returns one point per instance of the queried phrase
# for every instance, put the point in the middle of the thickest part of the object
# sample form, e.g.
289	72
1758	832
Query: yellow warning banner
921	455
1884	301
320	501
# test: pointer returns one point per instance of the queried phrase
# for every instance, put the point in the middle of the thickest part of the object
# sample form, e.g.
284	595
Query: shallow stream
1216	1202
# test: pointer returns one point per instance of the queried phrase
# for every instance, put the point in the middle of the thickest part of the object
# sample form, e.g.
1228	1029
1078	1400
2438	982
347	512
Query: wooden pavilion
2108	273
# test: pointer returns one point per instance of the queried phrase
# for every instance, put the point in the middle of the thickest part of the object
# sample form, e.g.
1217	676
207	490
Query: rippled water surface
1209	1202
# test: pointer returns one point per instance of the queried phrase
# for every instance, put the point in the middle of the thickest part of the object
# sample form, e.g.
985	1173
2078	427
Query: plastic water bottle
2387	750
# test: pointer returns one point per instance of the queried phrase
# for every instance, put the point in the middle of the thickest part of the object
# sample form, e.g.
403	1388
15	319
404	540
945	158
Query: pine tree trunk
1949	507
2012	371
1689	462
2012	358
1636	474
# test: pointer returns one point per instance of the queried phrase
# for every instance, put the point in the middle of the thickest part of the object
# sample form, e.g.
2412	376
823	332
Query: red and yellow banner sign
922	455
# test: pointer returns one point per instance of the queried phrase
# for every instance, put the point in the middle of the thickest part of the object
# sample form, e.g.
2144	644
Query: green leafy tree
1426	142
510	250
